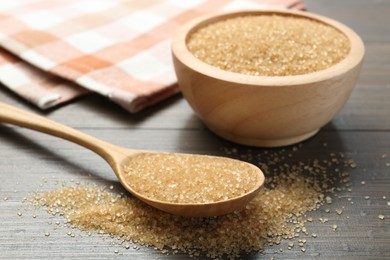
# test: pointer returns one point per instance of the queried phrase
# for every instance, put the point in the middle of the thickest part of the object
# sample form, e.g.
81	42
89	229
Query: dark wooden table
32	161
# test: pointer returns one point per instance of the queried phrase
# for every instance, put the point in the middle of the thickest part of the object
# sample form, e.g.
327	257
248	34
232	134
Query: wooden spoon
119	158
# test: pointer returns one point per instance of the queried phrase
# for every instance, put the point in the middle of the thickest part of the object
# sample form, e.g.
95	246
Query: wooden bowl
265	111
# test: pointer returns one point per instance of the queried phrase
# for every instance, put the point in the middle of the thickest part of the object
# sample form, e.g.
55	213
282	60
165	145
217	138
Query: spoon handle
19	117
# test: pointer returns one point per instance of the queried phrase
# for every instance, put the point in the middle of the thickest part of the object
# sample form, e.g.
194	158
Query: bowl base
267	142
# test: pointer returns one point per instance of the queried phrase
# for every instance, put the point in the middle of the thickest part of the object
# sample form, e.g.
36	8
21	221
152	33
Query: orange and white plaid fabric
62	49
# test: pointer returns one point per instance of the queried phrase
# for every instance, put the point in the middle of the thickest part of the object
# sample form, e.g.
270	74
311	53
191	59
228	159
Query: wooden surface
32	161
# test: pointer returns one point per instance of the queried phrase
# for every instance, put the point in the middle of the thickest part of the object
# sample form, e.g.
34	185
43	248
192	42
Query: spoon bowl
121	159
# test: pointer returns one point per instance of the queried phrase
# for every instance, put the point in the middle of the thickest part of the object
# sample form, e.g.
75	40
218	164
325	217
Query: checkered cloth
62	49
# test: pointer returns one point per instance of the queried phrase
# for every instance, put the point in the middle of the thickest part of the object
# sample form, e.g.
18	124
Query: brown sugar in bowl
265	111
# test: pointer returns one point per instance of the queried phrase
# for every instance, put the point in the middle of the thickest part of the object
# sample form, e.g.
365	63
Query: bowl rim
181	52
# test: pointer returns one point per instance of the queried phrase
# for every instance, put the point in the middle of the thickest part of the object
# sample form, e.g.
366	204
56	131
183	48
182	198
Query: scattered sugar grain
324	220
269	45
274	215
381	217
246	230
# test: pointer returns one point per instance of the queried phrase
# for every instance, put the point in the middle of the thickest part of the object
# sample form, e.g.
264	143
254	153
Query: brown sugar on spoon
184	178
123	159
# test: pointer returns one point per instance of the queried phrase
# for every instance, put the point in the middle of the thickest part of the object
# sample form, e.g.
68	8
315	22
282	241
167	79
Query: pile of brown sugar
269	45
277	213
